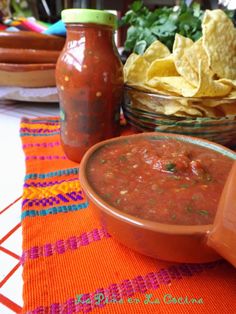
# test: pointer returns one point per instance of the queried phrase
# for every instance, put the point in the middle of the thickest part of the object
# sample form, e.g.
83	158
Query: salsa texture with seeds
161	180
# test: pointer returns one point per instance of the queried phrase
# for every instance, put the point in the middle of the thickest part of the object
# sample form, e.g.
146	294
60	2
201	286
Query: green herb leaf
175	177
165	29
107	195
140	47
170	167
203	212
196	9
189	208
162	24
117	201
184	186
122	158
136	6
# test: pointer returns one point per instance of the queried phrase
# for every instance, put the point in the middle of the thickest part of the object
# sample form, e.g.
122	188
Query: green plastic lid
88	16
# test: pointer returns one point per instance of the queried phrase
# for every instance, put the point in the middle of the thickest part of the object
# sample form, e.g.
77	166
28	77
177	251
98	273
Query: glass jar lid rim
88	16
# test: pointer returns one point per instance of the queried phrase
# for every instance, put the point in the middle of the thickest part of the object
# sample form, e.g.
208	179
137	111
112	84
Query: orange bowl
177	243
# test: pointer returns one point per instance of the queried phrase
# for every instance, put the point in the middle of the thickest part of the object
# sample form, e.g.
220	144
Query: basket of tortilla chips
189	91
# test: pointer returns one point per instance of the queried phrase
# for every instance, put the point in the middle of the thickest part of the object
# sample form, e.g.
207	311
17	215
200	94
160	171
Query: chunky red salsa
161	180
90	82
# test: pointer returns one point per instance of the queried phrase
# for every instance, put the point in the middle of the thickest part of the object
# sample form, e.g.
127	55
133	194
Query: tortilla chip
137	70
202	69
176	84
130	60
197	52
228	82
162	67
164	106
156	50
183	66
232	95
219	40
211	112
148	89
207	87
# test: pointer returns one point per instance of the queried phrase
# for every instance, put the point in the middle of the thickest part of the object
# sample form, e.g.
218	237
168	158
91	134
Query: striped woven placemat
72	265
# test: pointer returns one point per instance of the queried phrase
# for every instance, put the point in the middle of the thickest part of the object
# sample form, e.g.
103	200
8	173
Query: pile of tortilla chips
204	69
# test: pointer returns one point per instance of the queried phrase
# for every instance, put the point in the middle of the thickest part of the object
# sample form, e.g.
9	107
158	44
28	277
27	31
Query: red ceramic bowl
177	243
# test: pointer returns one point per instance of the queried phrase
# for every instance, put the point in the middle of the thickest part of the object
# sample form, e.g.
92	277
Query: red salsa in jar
89	78
160	179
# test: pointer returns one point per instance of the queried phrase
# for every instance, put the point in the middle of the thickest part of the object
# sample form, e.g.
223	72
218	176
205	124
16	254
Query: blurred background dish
210	118
28	59
27	75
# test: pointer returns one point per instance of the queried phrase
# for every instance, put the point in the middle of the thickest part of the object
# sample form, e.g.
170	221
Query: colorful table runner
72	265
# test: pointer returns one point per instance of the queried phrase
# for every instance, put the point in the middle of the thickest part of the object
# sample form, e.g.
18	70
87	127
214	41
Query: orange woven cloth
72	265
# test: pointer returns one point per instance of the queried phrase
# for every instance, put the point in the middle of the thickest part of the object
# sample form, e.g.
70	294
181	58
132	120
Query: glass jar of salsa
89	78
